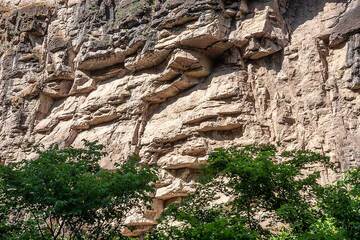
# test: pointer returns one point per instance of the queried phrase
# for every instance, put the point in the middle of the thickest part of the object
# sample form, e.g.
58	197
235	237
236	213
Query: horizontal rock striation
171	80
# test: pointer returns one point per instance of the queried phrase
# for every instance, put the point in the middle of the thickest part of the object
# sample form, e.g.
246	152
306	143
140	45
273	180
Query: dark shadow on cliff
300	11
273	62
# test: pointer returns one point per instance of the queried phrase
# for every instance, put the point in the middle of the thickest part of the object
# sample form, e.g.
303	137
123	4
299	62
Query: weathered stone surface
346	25
353	62
173	80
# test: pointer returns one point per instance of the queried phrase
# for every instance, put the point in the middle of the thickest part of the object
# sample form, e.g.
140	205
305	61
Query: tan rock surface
172	80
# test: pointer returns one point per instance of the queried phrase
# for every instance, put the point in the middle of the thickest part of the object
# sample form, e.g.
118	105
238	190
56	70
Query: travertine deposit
171	80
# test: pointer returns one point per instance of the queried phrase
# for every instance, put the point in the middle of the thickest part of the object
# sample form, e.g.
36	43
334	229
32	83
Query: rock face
171	80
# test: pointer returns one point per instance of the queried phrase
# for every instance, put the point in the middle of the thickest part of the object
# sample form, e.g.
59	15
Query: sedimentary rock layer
171	80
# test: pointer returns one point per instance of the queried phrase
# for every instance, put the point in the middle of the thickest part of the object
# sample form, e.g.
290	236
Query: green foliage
258	182
322	229
263	182
220	228
342	202
201	220
66	193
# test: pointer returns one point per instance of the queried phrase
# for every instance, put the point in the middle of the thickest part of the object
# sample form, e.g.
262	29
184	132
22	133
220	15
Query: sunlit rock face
171	80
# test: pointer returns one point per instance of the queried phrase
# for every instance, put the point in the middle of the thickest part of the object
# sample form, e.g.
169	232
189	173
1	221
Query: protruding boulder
176	189
82	83
261	35
180	161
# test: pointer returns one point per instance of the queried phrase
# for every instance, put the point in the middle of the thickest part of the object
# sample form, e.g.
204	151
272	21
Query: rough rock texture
173	79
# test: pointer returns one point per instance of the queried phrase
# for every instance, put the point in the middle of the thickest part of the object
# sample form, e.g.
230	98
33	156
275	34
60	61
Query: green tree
341	201
65	194
200	219
260	181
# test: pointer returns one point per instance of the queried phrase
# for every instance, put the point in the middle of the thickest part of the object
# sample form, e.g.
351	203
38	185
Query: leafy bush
250	193
265	186
342	203
65	194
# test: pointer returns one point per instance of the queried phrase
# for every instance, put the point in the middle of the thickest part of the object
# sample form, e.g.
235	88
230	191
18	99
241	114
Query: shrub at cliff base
64	194
271	195
251	193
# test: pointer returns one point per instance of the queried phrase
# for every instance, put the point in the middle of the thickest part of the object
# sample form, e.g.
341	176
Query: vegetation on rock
250	193
271	195
64	194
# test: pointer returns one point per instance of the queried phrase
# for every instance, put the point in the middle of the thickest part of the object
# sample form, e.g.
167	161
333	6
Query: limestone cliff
173	79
